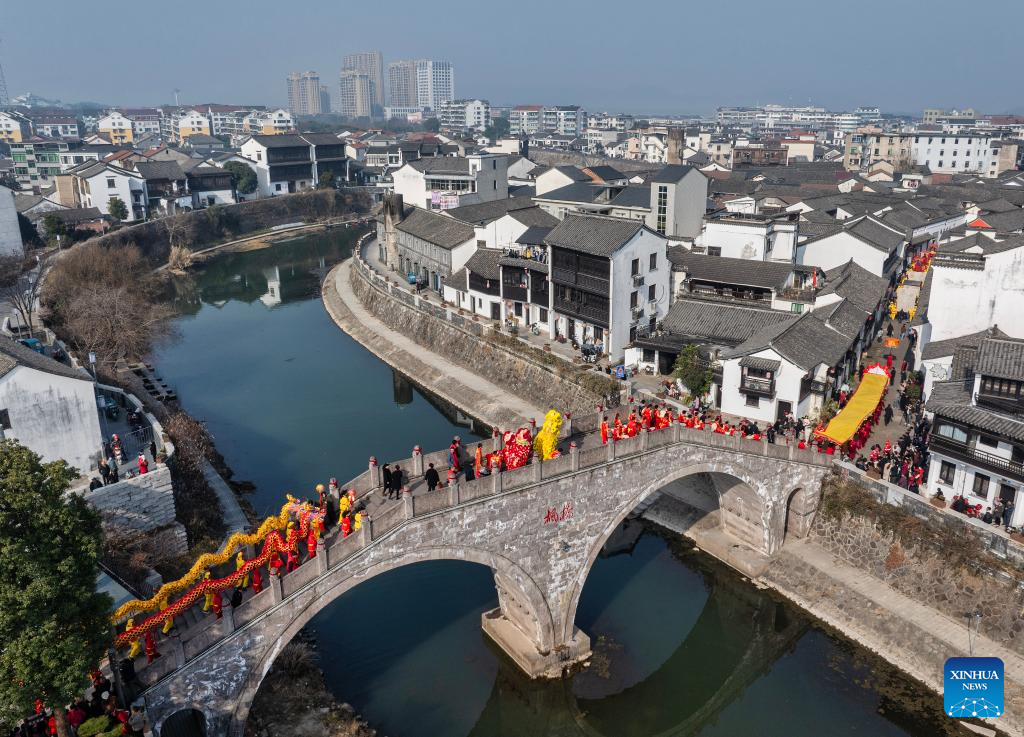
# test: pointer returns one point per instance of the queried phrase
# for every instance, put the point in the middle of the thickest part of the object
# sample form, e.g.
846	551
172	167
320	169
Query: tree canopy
245	177
54	626
499	128
117	209
692	369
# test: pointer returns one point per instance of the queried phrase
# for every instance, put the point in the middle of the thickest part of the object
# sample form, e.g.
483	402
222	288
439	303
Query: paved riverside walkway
914	637
473	394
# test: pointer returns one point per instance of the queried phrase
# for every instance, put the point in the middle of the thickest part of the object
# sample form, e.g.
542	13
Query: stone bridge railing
336	551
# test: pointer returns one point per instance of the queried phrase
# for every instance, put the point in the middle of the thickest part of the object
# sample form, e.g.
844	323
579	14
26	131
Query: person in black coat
385	480
397	481
431	477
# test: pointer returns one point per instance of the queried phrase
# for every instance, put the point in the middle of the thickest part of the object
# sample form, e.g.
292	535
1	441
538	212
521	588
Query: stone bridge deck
538	528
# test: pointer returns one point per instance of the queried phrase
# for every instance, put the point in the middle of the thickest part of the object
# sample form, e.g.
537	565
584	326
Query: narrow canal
682	645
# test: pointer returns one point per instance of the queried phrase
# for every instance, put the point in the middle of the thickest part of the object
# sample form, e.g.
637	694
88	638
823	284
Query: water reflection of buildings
272	297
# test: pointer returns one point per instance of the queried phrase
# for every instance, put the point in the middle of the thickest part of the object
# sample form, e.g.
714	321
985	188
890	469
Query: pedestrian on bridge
397	480
385	479
431	477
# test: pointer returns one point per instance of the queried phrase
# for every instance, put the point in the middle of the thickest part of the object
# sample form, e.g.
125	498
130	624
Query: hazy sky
671	56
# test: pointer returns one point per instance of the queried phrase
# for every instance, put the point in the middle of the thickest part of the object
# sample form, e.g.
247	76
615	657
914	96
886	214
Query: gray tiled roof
13	353
1001	357
442	165
486	212
943	348
635	195
438	229
845	317
726	270
534	217
605	172
585	192
878	235
855	283
593	234
763	364
720	323
523	263
672	173
805	342
159	169
1010	221
534	235
952	400
485	263
281	140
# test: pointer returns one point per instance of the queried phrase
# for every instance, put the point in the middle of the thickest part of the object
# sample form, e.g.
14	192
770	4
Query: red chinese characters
554	515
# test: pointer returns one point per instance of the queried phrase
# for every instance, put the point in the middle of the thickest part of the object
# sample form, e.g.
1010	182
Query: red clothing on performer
311	544
604	432
151	651
257	580
293	561
346	526
218	605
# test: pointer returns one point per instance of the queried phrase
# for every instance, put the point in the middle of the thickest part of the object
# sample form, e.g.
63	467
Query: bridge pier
514	628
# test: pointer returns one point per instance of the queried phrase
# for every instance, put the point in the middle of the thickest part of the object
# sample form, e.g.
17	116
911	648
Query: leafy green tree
432	124
326	180
693	370
245	177
499	128
54	226
54	626
117	209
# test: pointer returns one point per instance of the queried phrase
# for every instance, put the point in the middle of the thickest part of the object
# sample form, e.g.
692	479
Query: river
683	646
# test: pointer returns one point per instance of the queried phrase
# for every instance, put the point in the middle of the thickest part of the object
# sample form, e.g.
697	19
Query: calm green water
682	646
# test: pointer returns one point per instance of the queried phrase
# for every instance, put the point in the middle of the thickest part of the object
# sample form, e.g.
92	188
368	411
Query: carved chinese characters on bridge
554	515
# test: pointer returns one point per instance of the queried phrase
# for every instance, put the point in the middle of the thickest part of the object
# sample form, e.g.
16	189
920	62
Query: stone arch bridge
538	528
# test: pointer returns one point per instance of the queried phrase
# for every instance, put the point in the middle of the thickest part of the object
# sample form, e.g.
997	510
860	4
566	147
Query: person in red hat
346	525
257	580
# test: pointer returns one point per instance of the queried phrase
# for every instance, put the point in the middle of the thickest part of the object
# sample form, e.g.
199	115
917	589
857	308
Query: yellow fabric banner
859	407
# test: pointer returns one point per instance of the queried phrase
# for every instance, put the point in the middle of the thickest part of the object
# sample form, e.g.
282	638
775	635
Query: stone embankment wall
932	557
144	504
465	343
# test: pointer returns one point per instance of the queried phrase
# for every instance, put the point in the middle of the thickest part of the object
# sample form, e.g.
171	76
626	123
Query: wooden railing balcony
971	454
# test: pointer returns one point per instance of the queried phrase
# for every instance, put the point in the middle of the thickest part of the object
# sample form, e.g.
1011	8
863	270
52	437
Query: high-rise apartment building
370	63
304	93
325	99
355	94
402	84
435	83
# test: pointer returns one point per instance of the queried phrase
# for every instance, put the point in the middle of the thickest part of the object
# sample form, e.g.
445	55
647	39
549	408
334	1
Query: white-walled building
784	368
465	114
10	231
96	183
288	163
961	153
608	277
750	236
871	243
445	182
427	245
974	283
977	439
679	195
48	407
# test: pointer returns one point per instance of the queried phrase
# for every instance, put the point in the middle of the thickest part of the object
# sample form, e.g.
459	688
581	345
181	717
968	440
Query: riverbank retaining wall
933	574
464	343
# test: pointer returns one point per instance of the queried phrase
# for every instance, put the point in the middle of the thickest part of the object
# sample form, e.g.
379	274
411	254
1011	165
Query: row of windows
1001	387
981	485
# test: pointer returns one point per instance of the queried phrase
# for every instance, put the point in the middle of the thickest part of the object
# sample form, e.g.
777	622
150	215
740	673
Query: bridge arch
739	502
516	589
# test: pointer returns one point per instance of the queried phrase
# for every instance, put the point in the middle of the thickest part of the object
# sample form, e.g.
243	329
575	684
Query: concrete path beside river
476	396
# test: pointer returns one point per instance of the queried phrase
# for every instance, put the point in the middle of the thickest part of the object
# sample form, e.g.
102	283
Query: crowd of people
98	703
